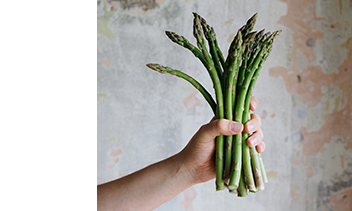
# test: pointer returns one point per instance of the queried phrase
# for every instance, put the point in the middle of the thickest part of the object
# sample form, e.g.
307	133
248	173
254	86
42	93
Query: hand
198	155
166	179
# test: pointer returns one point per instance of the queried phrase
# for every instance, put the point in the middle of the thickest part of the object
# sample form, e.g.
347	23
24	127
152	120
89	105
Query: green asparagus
239	167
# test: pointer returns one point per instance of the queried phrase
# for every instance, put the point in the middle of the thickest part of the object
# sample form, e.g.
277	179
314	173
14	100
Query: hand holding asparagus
239	167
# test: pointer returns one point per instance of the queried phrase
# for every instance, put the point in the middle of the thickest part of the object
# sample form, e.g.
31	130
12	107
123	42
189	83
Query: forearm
148	188
156	184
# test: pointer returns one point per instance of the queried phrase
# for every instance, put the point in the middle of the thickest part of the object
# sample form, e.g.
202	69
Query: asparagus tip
150	65
157	67
195	14
255	16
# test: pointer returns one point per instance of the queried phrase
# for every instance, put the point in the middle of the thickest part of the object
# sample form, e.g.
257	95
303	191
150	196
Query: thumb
217	127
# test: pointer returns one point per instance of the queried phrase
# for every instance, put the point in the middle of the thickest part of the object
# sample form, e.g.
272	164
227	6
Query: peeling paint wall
304	93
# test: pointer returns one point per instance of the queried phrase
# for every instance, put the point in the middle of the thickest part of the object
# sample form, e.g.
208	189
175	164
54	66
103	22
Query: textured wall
304	93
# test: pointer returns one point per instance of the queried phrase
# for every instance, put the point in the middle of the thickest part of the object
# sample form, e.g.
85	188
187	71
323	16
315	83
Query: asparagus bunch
238	167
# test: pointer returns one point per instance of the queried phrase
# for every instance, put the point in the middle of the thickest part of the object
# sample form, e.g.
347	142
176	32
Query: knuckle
219	125
256	118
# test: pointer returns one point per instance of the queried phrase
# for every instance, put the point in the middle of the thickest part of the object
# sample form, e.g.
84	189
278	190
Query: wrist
186	169
195	171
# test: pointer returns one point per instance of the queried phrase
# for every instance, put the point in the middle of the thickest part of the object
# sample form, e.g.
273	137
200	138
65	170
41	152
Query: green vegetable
238	167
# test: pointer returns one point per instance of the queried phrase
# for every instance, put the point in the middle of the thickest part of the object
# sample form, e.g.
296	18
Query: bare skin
158	183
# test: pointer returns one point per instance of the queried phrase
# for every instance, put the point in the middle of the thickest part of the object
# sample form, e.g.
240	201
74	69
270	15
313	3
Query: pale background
304	93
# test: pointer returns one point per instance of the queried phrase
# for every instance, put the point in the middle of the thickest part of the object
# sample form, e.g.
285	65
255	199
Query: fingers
260	147
254	103
256	139
253	124
217	127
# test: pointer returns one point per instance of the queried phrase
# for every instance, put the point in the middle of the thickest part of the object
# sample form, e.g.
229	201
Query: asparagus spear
232	70
194	82
198	34
220	55
262	168
238	117
256	166
259	184
213	49
245	56
246	41
246	29
260	174
252	155
242	190
182	41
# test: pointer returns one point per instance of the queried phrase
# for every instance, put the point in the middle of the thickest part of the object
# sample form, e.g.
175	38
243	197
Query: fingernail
235	127
250	127
252	141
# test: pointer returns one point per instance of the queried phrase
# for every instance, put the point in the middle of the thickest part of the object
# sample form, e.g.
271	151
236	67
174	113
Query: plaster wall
304	93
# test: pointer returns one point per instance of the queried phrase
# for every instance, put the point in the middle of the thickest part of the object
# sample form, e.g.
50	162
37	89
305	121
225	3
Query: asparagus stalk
194	82
236	163
213	49
247	40
182	41
238	117
245	57
242	190
237	148
220	55
232	70
256	165
198	34
233	63
262	168
259	184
